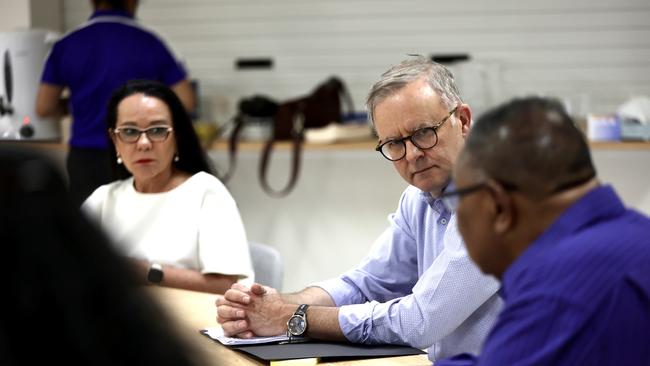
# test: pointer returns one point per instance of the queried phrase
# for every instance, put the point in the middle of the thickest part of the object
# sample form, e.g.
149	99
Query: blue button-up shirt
580	294
417	286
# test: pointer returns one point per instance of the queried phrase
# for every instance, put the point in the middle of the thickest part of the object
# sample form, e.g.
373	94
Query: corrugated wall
594	54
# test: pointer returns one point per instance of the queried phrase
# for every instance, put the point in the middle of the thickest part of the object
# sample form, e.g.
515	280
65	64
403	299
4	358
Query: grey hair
439	78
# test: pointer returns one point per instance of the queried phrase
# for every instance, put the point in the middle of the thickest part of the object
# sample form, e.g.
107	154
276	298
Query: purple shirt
417	286
580	294
98	57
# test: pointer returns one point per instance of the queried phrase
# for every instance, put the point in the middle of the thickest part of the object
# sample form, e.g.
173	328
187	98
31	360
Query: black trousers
87	170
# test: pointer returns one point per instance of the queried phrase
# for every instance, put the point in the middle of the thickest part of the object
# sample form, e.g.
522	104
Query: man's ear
464	115
504	209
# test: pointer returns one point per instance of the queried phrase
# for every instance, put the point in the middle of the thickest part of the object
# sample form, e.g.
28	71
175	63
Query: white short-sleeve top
195	225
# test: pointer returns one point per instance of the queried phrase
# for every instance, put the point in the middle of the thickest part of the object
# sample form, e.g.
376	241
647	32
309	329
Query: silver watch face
297	325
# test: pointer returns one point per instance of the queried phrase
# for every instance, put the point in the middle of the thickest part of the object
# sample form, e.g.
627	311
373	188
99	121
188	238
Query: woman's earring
176	158
119	160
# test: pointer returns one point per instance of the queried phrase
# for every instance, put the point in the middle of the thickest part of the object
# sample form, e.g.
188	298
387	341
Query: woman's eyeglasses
131	135
423	138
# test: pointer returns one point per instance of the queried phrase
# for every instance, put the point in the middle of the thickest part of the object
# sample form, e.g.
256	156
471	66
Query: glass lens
425	138
129	134
296	325
157	133
393	150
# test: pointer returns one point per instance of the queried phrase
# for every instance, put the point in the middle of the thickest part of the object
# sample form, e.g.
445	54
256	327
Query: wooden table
195	310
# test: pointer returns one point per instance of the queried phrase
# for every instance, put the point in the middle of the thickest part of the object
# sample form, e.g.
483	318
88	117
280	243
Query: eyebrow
151	123
411	131
423	125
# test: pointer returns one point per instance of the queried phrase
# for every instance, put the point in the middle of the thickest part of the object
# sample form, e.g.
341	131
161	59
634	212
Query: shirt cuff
356	321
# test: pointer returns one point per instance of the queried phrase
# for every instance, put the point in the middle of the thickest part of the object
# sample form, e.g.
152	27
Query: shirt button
443	221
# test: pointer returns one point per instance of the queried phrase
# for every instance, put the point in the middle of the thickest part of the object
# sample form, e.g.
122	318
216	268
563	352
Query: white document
216	334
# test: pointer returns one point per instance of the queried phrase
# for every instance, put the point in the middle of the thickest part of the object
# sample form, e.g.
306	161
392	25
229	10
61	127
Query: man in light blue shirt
417	286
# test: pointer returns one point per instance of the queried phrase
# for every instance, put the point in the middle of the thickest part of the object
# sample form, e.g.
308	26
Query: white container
22	56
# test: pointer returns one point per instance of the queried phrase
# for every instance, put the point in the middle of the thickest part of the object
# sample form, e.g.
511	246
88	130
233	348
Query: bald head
531	144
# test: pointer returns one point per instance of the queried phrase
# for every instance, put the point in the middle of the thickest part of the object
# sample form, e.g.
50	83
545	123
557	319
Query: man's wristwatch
297	324
155	274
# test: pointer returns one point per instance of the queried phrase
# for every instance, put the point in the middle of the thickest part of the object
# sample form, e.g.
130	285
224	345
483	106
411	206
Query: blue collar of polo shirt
596	205
114	13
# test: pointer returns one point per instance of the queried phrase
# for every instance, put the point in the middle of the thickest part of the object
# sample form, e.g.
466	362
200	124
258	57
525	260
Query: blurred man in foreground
573	260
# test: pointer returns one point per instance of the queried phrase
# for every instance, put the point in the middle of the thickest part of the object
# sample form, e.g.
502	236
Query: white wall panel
595	50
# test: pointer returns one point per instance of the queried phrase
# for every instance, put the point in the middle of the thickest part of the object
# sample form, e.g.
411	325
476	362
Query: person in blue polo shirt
573	260
92	61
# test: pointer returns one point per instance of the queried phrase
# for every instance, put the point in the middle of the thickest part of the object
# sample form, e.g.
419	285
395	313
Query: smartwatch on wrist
155	274
297	324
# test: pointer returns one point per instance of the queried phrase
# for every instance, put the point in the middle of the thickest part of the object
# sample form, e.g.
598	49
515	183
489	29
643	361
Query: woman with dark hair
178	222
68	297
91	61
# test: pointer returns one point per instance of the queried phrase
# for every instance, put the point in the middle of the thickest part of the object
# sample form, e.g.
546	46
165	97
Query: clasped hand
256	311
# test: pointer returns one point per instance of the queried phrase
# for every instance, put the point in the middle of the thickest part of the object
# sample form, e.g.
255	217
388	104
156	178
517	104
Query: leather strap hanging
320	108
290	113
232	148
257	106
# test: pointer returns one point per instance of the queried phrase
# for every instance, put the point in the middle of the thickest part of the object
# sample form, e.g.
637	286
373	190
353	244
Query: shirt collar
597	205
114	13
435	202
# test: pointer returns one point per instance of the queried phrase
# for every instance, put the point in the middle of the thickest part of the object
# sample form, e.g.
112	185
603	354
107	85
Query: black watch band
302	310
155	274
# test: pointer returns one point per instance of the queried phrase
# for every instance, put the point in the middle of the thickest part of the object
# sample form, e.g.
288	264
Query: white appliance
22	56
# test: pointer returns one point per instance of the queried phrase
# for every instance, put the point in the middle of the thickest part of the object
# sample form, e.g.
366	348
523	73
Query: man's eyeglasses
131	135
450	199
423	138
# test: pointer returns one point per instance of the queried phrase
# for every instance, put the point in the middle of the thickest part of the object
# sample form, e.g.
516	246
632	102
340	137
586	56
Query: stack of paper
217	335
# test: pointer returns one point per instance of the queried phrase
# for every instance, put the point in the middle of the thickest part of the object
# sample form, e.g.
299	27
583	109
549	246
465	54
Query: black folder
308	348
323	350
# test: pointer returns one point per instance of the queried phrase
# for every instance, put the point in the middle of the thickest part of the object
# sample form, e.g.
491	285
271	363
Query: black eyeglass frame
402	140
451	199
116	131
